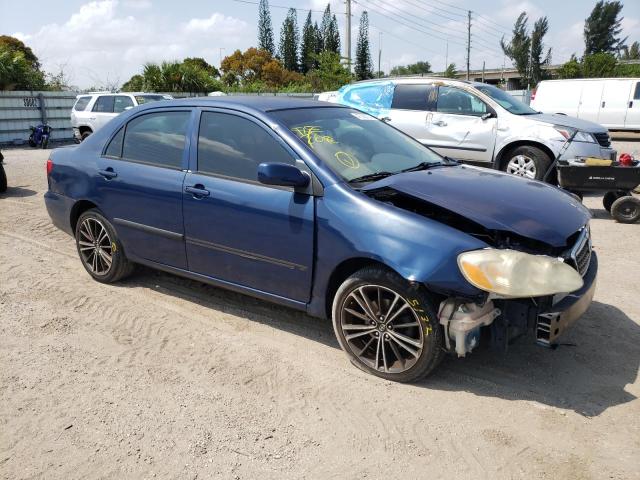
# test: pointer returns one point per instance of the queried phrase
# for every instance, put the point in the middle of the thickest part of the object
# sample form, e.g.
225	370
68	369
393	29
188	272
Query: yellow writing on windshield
347	159
312	134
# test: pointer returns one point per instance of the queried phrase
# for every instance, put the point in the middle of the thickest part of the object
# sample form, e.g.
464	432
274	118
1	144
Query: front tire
527	161
84	135
387	326
99	248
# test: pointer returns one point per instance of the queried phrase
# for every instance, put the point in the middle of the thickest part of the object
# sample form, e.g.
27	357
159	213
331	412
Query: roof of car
260	103
414	78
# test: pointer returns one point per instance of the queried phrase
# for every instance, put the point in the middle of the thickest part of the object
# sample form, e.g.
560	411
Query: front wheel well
78	209
502	156
343	271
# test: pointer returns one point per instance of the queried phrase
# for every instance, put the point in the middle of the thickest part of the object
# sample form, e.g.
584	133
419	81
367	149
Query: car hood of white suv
566	121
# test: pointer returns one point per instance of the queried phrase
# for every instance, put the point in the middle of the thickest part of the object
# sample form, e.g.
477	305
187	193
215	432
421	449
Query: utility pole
530	69
220	54
348	33
446	57
468	41
483	71
379	52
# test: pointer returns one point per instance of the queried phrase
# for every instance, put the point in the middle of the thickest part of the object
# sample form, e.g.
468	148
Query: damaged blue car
328	210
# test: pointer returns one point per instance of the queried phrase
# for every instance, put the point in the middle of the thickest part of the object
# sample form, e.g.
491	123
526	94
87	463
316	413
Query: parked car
477	123
92	111
327	210
612	102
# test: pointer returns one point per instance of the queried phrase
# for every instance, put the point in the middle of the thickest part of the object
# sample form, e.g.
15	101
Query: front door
457	128
236	229
139	183
632	120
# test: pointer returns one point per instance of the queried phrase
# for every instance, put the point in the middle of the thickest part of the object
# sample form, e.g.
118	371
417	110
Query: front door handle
631	104
603	103
440	123
386	119
198	191
108	173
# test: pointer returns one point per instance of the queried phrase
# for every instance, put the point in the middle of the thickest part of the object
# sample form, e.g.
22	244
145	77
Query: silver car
477	123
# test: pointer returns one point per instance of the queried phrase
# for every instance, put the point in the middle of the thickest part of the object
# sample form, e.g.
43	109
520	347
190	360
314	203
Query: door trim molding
148	229
246	254
471	149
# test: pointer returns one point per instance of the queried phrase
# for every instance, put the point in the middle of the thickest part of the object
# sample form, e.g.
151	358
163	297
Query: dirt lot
161	377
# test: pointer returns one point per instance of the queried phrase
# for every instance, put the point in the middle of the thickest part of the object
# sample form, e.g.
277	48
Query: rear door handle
198	191
603	104
108	173
440	123
631	104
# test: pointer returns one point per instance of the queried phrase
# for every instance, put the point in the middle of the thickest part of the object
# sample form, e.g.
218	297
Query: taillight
49	166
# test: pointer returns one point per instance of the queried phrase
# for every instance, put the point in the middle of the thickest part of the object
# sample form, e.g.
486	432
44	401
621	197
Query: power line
248	2
434	10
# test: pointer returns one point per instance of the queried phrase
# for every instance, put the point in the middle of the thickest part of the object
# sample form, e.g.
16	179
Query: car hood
566	121
495	200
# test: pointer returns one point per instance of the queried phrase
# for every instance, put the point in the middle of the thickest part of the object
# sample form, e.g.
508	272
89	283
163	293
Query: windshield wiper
428	165
371	176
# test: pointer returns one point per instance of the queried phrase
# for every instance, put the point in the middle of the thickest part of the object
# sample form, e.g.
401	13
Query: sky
107	41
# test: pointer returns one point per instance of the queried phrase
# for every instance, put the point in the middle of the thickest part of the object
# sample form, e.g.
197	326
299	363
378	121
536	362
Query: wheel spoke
406	339
85	231
396	352
106	257
102	236
406	325
406	347
395	315
83	249
368	304
360	334
378	352
384	354
362	306
351	326
393	304
366	345
357	314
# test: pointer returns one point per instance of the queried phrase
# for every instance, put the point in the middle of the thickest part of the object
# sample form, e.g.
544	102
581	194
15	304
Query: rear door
411	109
632	120
457	128
614	103
590	99
139	183
237	229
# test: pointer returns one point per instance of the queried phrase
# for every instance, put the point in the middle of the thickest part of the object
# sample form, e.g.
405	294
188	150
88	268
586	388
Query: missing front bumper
552	324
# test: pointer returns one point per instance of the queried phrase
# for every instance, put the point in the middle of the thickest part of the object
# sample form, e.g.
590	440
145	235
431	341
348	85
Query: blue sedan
328	210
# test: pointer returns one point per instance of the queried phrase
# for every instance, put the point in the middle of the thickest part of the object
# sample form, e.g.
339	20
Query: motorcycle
3	176
39	136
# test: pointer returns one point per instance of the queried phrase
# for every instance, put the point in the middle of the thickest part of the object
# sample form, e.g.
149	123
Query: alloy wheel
522	166
96	248
381	329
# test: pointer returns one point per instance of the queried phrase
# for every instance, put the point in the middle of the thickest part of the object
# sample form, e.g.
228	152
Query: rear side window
115	145
81	104
104	104
156	138
121	102
414	97
636	93
233	146
456	101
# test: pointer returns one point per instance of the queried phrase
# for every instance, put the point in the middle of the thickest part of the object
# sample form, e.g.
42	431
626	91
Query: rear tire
387	326
3	179
626	209
99	248
527	161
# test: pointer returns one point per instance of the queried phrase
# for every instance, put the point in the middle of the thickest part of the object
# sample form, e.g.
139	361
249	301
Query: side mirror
129	107
282	174
488	115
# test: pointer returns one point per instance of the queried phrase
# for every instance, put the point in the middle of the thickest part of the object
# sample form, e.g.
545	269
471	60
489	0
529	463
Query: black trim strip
148	229
471	149
245	254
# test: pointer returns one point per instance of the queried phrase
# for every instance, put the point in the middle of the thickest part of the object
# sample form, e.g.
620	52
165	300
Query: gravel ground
162	377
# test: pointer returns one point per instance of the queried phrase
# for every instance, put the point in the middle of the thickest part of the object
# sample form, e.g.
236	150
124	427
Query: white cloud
101	43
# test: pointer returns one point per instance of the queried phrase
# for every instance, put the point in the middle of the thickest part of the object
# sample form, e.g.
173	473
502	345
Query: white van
611	102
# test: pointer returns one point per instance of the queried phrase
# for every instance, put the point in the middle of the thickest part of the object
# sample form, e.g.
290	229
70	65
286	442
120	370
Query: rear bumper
59	209
551	324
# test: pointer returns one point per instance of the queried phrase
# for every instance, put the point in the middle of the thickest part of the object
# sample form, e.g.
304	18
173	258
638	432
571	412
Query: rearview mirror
282	174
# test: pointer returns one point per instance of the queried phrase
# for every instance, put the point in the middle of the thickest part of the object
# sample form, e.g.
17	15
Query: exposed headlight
515	274
579	136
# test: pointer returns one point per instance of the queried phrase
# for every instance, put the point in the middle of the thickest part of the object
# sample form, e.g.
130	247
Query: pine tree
518	48
363	67
308	47
289	39
265	30
330	32
319	46
602	29
538	57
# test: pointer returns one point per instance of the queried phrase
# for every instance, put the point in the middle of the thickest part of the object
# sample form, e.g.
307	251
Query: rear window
149	98
81	104
414	97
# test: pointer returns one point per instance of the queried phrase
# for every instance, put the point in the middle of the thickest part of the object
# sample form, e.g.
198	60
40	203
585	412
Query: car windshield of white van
506	100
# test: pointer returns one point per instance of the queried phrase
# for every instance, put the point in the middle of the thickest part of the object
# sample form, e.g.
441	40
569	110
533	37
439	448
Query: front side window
121	102
354	144
81	104
456	101
156	138
234	146
104	104
414	97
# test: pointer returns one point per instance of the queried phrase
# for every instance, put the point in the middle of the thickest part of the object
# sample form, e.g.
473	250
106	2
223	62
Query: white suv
92	111
477	123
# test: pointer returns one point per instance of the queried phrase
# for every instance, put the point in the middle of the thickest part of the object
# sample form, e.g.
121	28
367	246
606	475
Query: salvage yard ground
168	378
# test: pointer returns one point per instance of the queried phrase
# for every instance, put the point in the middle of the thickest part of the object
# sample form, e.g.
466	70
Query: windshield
149	98
506	100
354	144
